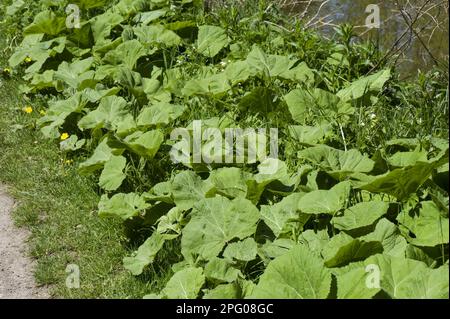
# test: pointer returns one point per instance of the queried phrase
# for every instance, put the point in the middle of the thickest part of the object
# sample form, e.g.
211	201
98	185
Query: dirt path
16	270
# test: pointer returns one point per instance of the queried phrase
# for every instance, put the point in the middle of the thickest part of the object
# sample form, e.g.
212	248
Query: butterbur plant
304	218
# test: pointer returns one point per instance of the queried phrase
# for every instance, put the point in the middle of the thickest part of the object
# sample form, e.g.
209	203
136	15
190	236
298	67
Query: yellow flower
28	60
28	109
7	70
68	162
64	136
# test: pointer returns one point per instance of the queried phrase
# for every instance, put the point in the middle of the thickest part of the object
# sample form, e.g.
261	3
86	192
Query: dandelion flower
28	60
64	136
28	109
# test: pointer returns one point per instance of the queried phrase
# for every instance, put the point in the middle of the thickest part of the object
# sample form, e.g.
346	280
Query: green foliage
339	200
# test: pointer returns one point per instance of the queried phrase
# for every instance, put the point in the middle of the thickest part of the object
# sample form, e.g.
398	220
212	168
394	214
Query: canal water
429	18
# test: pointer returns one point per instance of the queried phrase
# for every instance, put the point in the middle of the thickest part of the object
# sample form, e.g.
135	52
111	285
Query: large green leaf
406	278
211	39
46	22
429	226
124	206
285	215
214	223
188	189
219	269
343	249
157	34
352	282
101	155
244	250
185	284
297	274
360	215
368	84
212	85
268	65
224	291
325	201
400	182
144	144
126	53
75	73
113	175
160	114
145	254
389	235
229	182
300	73
109	114
339	164
303	102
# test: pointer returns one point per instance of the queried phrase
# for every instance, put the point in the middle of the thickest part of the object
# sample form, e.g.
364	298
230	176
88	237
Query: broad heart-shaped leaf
211	39
394	244
101	155
360	215
339	164
58	111
403	278
301	102
185	284
430	227
188	188
111	111
271	173
268	65
244	250
221	270
157	34
145	254
353	282
237	72
297	274
144	144
300	73
70	73
229	182
46	22
214	223
212	85
122	205
310	135
325	201
314	241
401	159
372	83
102	25
160	114
343	249
113	175
400	182
282	216
126	53
271	250
225	291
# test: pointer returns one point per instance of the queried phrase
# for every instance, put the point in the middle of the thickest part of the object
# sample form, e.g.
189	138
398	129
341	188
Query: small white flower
372	116
362	124
223	64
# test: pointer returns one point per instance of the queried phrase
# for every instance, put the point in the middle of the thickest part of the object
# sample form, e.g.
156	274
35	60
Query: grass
59	207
